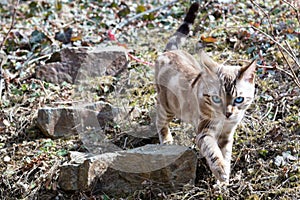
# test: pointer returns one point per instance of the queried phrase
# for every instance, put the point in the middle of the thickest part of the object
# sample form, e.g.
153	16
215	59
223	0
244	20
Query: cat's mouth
223	116
232	118
228	115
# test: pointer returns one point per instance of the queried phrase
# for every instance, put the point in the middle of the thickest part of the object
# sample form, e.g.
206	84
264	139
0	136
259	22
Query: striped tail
182	32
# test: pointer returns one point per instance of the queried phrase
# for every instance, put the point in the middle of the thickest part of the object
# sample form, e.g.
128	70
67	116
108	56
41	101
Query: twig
3	56
294	76
284	71
119	26
140	61
270	107
290	52
275	114
11	25
275	41
248	62
265	13
294	7
284	182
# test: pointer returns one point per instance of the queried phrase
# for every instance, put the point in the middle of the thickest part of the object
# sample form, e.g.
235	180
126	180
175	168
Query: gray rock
92	122
67	121
162	167
54	72
74	63
92	117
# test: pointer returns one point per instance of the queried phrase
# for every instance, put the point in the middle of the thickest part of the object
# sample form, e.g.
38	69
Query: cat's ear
208	62
247	73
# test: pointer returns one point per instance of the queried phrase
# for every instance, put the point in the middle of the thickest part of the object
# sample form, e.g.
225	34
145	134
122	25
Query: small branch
266	14
295	9
294	76
11	25
140	61
292	52
270	107
3	56
119	26
281	48
275	41
284	71
265	66
284	96
248	62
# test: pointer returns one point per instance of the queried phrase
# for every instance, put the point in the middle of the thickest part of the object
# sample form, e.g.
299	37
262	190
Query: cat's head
227	90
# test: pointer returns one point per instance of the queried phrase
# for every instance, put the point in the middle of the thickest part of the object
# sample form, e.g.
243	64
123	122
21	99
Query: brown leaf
76	38
255	24
208	39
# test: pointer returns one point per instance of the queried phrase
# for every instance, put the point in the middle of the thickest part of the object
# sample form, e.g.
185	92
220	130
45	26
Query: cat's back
177	62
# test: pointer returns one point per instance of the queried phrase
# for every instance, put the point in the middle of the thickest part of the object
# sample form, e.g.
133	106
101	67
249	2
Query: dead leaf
76	38
255	24
208	39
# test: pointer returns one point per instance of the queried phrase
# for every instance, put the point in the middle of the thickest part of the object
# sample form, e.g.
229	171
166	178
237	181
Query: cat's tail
182	32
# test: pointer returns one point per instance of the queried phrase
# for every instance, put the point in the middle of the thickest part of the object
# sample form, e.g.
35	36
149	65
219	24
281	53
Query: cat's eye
216	99
239	100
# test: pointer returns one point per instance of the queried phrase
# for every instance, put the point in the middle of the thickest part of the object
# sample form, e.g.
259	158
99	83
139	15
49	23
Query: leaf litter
265	162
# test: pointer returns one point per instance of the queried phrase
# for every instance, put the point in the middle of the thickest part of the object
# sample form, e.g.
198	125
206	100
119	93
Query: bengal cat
212	96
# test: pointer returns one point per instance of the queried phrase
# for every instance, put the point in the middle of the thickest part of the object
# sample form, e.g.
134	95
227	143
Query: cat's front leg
226	149
209	148
162	124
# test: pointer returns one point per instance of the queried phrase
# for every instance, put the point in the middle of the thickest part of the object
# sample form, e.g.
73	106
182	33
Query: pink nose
228	114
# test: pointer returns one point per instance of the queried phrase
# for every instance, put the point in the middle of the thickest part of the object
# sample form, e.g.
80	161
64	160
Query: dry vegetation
265	161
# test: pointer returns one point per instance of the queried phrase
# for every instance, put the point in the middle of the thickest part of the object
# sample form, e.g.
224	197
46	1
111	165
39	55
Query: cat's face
227	91
229	105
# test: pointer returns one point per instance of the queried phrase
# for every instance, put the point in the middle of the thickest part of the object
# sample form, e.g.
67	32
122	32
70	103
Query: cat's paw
219	172
224	178
221	187
221	176
222	183
167	141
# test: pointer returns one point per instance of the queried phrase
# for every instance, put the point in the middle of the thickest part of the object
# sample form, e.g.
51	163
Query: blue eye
216	99
239	100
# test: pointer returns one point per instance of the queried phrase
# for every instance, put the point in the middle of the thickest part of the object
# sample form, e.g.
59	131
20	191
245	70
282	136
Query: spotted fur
212	96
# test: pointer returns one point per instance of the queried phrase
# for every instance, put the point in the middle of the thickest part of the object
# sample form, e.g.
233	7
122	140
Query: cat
211	96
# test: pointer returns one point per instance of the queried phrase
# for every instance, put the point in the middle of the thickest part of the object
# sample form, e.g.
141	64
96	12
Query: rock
93	122
164	167
90	121
74	63
67	121
54	72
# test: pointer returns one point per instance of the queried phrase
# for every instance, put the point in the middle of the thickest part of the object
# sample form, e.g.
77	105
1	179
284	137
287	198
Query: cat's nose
228	114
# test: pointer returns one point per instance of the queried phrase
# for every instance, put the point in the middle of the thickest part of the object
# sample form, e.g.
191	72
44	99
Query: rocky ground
38	41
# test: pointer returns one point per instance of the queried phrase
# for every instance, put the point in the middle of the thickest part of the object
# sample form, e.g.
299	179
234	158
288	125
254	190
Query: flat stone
67	121
92	122
54	72
165	167
73	63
